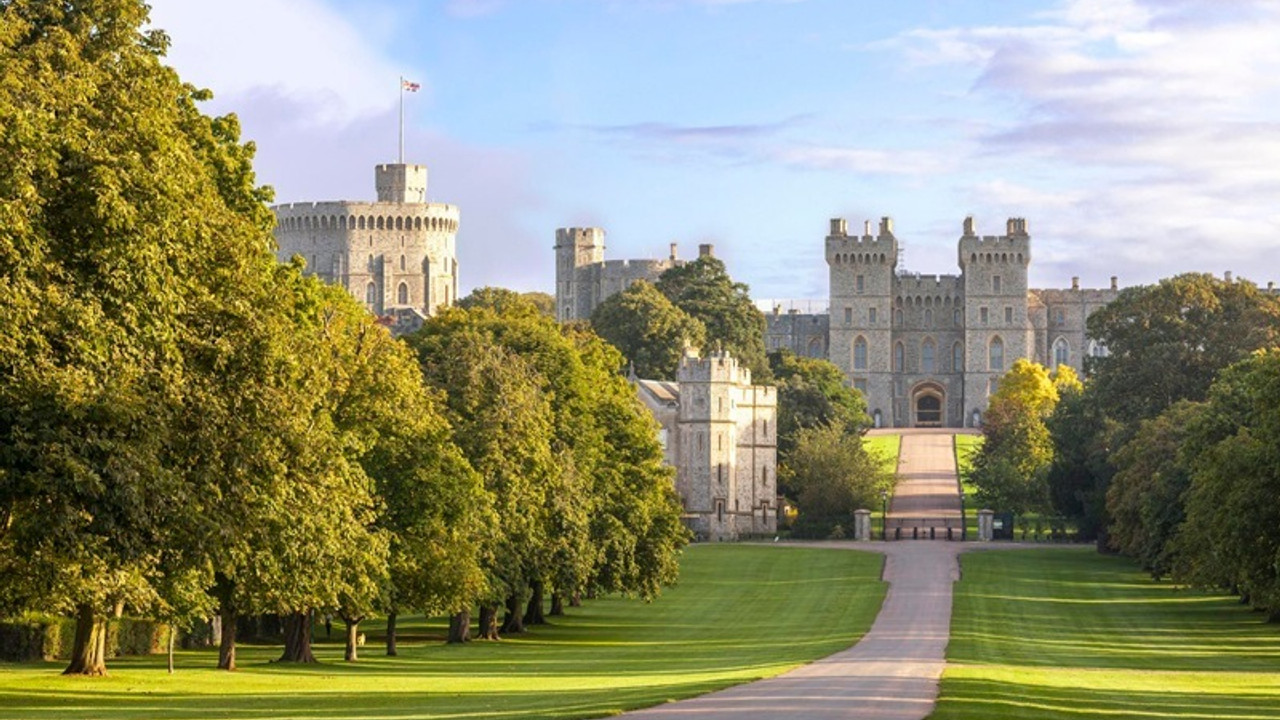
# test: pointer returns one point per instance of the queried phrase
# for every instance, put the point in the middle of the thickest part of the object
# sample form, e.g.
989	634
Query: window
928	318
993	384
957	357
1059	316
982	315
927	353
402	294
848	316
955	317
995	284
871	316
1061	352
995	355
402	262
899	357
1008	316
860	354
897	317
371	296
861	285
860	385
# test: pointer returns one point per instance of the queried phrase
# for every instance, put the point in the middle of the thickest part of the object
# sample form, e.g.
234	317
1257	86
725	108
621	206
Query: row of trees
188	427
1168	453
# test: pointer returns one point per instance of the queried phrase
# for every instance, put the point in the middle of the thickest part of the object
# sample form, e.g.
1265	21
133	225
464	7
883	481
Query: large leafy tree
813	392
704	290
126	216
1168	341
832	475
648	329
1010	469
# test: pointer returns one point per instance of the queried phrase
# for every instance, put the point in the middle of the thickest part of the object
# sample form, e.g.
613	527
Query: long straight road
893	672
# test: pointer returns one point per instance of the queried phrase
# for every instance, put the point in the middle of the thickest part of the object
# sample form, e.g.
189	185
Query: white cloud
1156	125
863	160
299	49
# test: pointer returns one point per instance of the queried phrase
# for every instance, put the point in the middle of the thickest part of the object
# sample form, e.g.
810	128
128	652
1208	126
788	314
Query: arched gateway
927	404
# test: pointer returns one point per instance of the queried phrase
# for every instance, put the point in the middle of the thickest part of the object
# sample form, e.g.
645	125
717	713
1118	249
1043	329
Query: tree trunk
297	638
533	611
489	622
557	604
460	627
575	600
353	629
227	646
513	620
89	656
391	635
172	631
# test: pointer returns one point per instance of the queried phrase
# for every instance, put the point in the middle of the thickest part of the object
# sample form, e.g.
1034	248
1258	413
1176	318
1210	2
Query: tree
1230	538
648	330
1145	497
1010	469
1081	470
125	215
832	475
1168	341
704	290
812	393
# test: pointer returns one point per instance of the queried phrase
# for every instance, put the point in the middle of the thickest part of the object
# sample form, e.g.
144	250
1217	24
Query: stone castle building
584	278
397	255
720	433
925	350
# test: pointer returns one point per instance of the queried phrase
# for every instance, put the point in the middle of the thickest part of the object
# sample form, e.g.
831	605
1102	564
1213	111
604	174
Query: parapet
398	183
576	236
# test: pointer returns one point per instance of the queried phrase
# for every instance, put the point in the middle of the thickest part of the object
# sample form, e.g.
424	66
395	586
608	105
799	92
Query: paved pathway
893	672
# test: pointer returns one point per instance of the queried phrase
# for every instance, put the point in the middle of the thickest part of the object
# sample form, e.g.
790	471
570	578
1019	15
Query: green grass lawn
739	613
1067	633
887	447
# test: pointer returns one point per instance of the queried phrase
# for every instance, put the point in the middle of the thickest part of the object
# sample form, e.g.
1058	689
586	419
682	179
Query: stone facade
927	350
397	255
720	433
584	278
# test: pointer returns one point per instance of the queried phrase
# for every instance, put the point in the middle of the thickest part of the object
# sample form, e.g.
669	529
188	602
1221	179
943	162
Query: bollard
915	533
932	536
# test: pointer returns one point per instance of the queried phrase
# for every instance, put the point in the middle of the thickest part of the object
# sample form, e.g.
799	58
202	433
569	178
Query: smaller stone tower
997	328
401	183
576	247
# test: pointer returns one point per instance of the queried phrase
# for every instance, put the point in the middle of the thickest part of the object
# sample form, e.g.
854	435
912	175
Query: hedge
46	637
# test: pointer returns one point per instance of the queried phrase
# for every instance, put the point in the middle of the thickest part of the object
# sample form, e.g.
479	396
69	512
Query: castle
925	350
397	255
720	433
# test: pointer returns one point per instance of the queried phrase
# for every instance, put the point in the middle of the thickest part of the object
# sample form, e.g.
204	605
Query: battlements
628	267
577	236
398	183
1012	247
865	249
717	367
342	215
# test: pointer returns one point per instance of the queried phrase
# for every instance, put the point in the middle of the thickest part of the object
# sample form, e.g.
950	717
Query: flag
410	86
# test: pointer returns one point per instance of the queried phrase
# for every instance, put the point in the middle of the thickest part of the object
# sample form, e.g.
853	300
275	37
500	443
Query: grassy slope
1067	633
966	446
739	613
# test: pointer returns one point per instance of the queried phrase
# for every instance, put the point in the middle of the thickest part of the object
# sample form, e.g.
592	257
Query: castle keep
720	433
925	350
397	255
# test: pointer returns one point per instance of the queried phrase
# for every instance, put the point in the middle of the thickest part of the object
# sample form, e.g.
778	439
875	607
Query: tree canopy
703	289
649	331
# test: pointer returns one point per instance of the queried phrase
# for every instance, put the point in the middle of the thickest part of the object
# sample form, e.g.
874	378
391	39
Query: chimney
706	250
673	251
886	225
1075	282
866	228
839	228
1115	284
970	229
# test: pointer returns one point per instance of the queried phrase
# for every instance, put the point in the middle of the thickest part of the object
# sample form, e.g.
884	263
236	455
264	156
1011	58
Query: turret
401	183
576	247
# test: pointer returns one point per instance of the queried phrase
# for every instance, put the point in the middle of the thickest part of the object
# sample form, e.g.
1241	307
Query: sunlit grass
739	613
1068	633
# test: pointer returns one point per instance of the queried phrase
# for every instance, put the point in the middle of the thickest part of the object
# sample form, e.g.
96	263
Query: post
964	523
884	515
862	525
986	524
401	119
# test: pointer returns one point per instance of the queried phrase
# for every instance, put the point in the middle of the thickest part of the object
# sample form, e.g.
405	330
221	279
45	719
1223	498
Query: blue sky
1139	139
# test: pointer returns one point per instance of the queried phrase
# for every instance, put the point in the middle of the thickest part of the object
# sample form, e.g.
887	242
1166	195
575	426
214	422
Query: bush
137	636
36	637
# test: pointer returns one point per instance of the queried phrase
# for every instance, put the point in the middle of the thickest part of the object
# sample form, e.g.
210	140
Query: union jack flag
410	86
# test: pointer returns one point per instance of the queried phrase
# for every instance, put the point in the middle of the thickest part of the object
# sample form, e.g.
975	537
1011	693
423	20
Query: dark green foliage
811	393
704	290
1081	469
649	331
831	475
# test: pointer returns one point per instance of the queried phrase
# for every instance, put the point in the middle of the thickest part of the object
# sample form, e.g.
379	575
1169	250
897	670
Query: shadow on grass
991	699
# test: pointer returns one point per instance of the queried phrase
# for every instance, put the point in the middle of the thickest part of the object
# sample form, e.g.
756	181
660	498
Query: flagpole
401	119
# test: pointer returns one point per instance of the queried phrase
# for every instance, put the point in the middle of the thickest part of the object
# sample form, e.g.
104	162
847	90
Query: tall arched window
955	317
899	357
371	295
402	262
1061	352
897	318
927	356
928	318
402	294
995	355
860	354
957	358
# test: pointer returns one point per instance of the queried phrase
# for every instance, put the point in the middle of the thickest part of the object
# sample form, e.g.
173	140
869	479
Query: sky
1140	138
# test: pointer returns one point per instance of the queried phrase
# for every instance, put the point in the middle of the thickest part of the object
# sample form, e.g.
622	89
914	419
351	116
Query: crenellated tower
997	327
861	306
576	248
